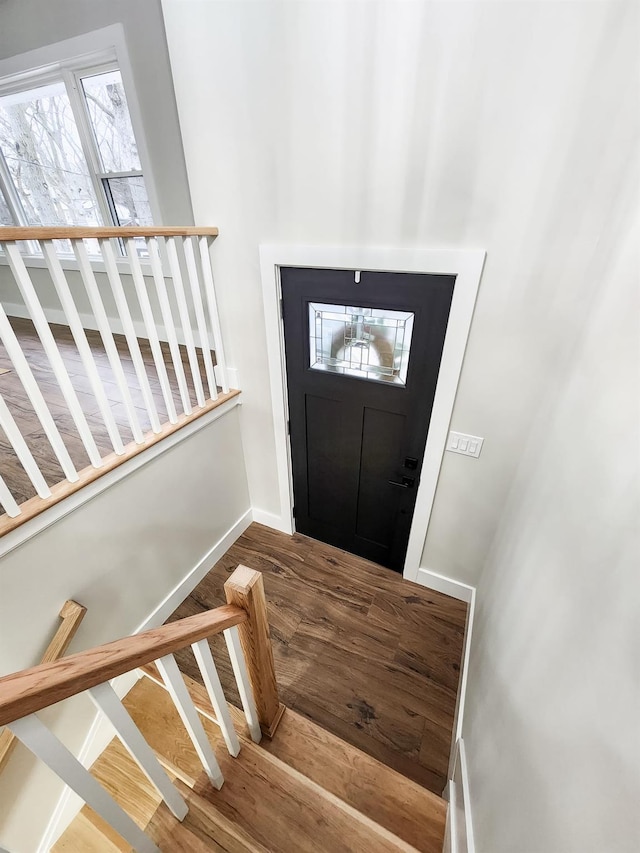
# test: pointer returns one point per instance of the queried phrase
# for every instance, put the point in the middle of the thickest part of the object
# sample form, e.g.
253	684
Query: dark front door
363	352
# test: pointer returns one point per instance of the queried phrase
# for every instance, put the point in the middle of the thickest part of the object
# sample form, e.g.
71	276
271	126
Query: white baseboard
101	731
100	734
232	376
57	315
463	592
459	829
270	519
193	578
441	583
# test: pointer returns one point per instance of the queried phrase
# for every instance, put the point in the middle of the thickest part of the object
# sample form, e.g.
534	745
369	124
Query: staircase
190	772
303	790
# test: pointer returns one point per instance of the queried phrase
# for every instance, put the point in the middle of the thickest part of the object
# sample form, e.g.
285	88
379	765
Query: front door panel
362	365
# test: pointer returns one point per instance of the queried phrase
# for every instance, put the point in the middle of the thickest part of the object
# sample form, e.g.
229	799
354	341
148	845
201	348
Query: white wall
553	699
499	125
120	555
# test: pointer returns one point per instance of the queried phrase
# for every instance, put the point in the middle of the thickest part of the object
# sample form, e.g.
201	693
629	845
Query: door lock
405	482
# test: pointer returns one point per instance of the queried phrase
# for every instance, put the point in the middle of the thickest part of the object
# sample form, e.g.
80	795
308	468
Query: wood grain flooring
13	392
366	655
345	802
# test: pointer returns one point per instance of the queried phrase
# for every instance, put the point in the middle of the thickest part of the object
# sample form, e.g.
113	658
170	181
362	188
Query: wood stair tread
85	834
305	790
400	805
278	807
203	829
121	776
405	808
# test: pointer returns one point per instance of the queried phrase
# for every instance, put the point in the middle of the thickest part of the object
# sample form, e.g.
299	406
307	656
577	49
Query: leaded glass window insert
367	343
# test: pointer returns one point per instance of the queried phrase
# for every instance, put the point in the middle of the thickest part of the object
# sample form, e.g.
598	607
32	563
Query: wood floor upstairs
15	396
366	655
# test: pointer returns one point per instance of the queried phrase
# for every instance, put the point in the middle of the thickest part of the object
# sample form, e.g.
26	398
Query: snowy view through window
62	179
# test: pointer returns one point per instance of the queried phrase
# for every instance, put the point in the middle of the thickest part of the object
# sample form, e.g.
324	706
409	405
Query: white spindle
150	329
174	682
12	431
14	351
207	274
7	500
46	746
102	320
167	319
28	292
108	702
77	330
196	295
242	680
185	320
212	682
129	332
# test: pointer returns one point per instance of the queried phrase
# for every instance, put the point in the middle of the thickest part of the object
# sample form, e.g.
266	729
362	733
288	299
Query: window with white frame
68	153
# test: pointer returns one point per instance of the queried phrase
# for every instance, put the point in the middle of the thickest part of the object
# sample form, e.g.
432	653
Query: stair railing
243	621
160	281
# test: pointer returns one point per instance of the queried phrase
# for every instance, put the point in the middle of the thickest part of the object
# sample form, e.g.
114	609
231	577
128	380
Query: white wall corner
270	519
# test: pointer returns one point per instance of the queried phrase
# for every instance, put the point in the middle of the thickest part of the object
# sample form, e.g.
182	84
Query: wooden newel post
245	589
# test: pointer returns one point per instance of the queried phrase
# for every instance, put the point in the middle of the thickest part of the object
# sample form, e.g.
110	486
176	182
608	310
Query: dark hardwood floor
368	656
13	392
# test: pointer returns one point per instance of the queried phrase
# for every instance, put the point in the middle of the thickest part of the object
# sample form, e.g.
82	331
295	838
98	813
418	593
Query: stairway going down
303	790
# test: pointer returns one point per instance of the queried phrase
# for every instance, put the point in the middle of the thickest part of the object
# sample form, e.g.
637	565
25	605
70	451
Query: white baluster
14	351
12	431
209	290
242	680
77	330
167	319
185	320
150	328
7	500
28	292
196	295
102	320
174	682
129	332
108	702
211	679
46	746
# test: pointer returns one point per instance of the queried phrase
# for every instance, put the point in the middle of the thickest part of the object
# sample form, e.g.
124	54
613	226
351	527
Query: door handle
405	483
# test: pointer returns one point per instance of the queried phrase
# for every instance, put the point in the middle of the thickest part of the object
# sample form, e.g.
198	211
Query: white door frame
465	264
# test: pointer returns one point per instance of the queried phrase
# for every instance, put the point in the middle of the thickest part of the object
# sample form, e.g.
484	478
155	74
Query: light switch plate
468	445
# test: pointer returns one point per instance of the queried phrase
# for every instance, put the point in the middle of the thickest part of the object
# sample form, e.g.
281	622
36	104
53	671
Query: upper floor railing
145	357
243	620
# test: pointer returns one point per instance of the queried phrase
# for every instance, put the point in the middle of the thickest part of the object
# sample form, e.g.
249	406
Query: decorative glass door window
368	343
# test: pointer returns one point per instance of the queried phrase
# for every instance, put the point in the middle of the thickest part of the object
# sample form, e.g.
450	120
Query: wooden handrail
72	615
57	232
31	690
